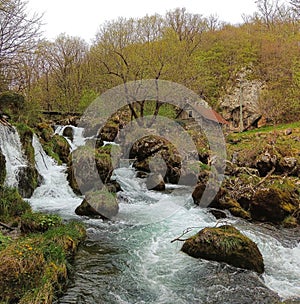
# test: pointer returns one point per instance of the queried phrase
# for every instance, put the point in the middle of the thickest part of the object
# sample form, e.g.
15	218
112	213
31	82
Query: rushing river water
132	260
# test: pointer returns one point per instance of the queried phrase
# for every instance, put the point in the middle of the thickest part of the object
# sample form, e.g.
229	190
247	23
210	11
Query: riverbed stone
98	203
225	244
155	181
68	132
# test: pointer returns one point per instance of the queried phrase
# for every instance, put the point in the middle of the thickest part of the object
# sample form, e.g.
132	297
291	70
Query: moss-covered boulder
151	151
54	145
90	168
225	244
2	168
100	204
109	131
28	177
276	202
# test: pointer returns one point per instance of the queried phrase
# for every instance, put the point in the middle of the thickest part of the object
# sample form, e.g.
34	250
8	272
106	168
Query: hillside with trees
202	53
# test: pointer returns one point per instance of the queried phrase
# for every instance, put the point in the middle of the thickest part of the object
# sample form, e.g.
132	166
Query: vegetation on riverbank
35	254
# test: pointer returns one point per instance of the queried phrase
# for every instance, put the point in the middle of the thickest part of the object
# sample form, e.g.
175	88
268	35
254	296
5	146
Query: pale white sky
83	18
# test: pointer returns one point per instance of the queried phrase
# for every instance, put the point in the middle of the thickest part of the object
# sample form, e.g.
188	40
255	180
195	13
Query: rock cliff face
244	94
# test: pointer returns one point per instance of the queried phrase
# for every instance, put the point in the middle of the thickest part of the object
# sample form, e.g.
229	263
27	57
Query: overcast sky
83	18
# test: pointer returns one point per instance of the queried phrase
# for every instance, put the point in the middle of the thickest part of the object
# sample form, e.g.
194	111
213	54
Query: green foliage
39	222
11	204
4	241
87	97
33	269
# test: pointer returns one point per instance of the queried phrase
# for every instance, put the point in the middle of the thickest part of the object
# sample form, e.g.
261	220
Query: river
132	260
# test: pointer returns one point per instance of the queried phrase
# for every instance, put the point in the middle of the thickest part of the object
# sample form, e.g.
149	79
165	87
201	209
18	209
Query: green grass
33	269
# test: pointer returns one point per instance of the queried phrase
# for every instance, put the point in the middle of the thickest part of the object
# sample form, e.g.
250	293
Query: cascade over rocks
225	244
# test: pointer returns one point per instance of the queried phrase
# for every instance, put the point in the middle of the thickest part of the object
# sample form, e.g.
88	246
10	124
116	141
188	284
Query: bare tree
18	32
295	7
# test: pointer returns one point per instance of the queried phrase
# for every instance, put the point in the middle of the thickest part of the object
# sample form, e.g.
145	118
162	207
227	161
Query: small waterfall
78	138
16	161
55	194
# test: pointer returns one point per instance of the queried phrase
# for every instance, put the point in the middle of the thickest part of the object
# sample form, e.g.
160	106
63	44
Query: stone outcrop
101	204
225	244
271	199
244	93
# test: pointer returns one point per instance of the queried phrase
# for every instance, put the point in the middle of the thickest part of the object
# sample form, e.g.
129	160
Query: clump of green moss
11	204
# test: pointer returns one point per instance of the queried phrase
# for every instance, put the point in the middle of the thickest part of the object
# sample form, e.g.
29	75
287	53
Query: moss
290	222
33	269
225	244
38	222
26	135
2	168
11	204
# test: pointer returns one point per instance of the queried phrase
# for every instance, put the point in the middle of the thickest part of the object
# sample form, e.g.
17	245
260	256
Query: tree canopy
202	53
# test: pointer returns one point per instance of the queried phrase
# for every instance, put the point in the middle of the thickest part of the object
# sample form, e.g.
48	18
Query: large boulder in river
99	203
90	168
155	181
157	155
225	244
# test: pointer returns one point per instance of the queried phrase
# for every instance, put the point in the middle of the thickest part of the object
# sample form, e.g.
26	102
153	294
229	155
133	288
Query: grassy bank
35	262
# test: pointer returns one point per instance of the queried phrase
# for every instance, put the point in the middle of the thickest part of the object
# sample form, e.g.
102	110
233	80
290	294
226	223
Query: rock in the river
87	166
155	181
68	132
109	132
99	203
2	168
157	155
225	244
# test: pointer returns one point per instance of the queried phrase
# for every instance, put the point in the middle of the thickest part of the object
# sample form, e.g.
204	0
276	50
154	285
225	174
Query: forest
202	53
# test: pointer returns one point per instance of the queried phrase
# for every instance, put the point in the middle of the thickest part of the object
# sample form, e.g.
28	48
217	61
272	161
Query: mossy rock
278	199
99	203
150	151
61	147
29	176
225	244
109	131
45	131
2	168
11	204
